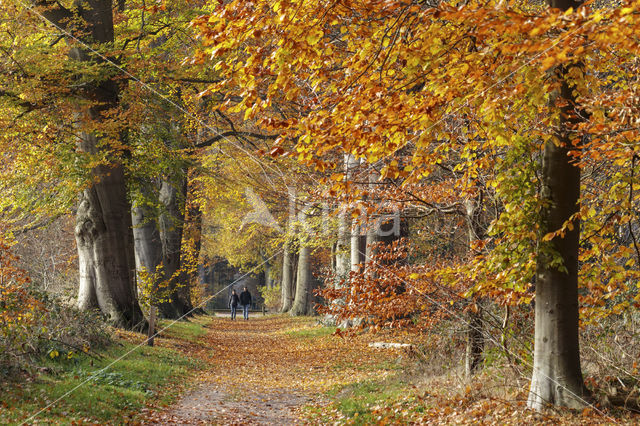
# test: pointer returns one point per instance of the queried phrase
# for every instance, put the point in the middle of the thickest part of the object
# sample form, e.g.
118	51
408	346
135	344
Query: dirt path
265	369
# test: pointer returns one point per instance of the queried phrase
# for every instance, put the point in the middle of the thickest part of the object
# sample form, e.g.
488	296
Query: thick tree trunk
148	247
557	376
105	248
303	283
171	226
103	222
287	278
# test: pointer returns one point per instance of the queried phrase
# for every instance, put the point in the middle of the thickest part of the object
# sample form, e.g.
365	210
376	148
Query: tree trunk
103	222
105	247
171	226
287	278
267	273
303	283
557	376
356	247
148	247
476	229
475	342
191	246
342	246
370	239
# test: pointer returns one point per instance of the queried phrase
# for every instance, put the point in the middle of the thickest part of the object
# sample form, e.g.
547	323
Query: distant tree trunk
303	283
343	243
476	229
392	228
159	239
287	285
557	376
342	246
356	246
171	225
369	251
371	229
475	342
192	243
268	282
103	221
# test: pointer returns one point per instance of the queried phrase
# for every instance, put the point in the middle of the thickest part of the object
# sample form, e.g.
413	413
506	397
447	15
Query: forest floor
269	370
277	370
283	370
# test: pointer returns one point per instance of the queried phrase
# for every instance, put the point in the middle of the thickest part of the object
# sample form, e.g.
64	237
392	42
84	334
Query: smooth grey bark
557	375
303	283
343	255
356	247
148	247
372	228
158	234
287	278
342	246
370	239
268	281
105	247
304	286
287	288
172	197
103	221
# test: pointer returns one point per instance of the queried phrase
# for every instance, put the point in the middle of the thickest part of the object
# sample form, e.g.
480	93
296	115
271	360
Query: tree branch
237	134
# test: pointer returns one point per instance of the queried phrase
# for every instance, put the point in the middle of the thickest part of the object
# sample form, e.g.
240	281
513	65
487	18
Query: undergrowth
54	330
115	383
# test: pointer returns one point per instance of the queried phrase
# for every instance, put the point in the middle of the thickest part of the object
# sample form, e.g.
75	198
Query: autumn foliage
19	309
425	92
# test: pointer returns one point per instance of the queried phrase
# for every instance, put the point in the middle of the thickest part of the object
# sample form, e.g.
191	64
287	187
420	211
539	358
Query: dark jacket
245	298
234	300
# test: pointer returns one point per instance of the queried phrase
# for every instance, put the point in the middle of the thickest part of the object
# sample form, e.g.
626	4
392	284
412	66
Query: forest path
263	371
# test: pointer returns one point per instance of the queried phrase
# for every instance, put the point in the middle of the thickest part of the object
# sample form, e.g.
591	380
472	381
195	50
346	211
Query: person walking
245	301
233	304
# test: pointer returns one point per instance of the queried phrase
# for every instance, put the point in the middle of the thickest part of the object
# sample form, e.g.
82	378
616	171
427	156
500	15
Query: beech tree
103	224
557	377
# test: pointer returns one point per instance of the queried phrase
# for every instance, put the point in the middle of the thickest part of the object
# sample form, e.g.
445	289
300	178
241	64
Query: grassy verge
189	331
143	376
367	402
312	332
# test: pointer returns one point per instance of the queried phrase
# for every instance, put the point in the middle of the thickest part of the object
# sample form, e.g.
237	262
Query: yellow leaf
314	36
548	62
